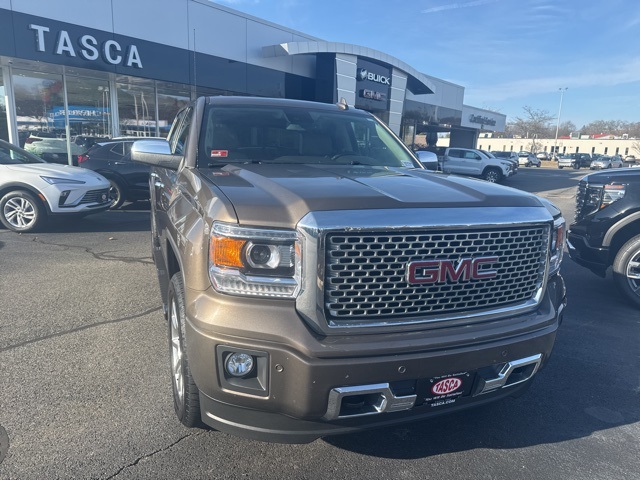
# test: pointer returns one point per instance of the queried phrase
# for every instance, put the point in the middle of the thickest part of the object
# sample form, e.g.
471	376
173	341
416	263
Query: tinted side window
117	149
456	153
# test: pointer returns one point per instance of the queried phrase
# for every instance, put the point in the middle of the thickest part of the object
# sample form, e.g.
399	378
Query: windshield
10	156
488	154
297	135
501	154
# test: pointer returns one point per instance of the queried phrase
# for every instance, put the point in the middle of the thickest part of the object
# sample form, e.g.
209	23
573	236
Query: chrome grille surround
588	199
374	293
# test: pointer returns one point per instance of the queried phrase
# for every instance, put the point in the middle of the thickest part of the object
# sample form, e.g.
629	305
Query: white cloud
586	77
454	6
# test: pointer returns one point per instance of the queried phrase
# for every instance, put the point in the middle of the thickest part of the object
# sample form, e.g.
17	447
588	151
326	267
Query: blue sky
506	53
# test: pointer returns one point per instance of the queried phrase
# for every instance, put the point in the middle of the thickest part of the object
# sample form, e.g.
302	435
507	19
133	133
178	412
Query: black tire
538	165
492	175
626	270
186	396
22	212
560	168
116	194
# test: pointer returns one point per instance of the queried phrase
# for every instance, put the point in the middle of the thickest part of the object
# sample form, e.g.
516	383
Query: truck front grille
366	273
588	198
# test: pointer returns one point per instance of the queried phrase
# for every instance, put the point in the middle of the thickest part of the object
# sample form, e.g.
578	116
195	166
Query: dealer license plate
445	389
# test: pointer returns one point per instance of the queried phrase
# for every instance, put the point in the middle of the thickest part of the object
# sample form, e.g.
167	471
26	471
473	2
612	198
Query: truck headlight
612	193
255	261
556	248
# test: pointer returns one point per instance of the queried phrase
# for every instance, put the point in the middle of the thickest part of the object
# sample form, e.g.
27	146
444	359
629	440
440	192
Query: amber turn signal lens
226	252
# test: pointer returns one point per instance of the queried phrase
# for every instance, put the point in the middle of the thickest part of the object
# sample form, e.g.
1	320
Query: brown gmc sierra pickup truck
317	280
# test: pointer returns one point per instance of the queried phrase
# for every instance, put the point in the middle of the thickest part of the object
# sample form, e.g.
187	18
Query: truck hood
623	175
280	195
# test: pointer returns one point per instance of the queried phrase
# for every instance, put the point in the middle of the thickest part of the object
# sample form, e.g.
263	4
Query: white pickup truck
471	162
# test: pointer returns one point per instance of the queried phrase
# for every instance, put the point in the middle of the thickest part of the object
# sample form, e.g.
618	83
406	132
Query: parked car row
607	161
575	160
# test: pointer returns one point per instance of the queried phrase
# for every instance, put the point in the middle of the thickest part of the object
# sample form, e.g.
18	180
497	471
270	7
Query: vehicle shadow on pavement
591	384
130	218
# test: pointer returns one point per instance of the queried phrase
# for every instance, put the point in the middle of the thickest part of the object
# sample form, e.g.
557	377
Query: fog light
239	364
63	197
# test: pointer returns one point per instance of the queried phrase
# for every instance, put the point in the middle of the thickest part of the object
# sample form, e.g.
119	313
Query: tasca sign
85	46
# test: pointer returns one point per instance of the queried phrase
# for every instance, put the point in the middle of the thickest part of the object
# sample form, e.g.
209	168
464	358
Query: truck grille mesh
366	273
588	198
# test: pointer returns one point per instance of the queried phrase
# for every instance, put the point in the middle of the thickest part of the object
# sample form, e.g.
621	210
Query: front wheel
492	175
560	167
22	212
116	194
186	397
626	270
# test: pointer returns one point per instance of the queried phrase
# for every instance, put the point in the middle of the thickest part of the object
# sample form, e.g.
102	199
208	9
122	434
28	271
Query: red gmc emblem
448	271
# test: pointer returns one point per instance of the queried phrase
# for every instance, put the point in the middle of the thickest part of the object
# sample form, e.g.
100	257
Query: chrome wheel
116	195
492	176
626	269
20	213
633	273
186	396
176	354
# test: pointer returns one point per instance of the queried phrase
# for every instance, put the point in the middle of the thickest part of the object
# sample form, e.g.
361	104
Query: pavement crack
98	256
155	452
78	329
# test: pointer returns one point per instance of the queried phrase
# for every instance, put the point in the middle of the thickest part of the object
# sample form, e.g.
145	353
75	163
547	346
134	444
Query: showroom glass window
4	129
90	110
137	108
171	99
39	98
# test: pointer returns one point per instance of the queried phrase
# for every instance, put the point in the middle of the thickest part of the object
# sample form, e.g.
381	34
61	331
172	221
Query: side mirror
428	159
155	152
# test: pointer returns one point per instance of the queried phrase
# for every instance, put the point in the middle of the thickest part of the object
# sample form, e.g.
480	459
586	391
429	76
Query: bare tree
566	128
533	124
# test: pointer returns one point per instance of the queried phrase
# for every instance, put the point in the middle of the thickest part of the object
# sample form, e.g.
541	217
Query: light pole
555	143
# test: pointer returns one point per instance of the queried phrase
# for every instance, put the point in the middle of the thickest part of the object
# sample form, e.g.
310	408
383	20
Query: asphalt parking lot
85	389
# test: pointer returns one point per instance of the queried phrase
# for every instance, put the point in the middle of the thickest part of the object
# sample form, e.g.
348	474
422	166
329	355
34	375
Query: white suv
32	189
527	159
475	163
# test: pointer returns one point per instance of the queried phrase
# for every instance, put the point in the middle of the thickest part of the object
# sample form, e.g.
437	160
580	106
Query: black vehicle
583	160
606	231
129	180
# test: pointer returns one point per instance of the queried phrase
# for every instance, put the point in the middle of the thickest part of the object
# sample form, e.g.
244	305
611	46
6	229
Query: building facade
125	68
602	146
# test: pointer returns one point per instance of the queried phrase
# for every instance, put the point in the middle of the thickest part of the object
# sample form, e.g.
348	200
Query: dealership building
120	67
